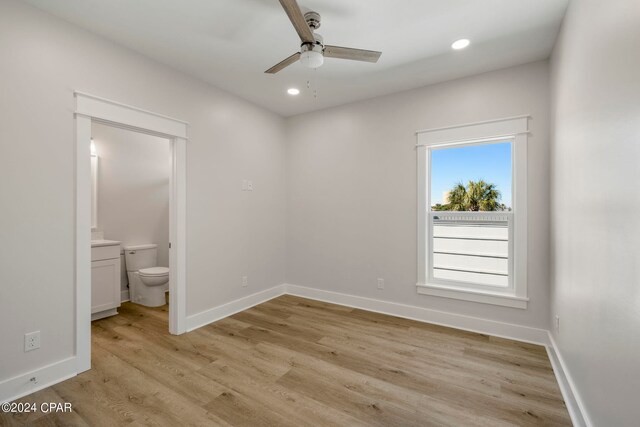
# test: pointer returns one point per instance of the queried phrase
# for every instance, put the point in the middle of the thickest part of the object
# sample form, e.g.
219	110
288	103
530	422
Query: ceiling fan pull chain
315	85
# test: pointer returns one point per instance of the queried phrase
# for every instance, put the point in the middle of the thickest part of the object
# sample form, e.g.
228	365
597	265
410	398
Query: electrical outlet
557	325
31	341
249	185
245	281
380	283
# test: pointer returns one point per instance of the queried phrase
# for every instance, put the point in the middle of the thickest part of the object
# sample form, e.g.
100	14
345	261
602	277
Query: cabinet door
105	285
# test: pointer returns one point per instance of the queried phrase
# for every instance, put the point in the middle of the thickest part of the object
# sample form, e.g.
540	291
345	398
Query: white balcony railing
471	248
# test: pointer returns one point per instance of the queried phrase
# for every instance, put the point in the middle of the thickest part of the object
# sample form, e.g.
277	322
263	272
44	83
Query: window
472	212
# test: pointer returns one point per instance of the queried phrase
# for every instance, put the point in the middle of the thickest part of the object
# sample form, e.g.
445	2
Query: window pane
470	247
486	164
470	214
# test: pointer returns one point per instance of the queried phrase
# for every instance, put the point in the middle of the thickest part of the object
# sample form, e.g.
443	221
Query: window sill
474	295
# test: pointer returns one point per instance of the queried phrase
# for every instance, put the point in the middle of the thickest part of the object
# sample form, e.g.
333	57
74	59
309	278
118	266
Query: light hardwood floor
297	362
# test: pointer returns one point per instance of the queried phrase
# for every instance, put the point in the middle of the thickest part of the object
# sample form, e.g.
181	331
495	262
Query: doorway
90	111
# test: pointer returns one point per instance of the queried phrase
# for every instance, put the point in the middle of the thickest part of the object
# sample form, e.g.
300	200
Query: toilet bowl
154	276
146	280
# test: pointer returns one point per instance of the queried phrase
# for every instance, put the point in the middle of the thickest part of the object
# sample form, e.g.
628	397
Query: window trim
514	129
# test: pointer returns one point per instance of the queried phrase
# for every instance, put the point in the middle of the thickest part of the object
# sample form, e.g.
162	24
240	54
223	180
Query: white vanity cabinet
105	278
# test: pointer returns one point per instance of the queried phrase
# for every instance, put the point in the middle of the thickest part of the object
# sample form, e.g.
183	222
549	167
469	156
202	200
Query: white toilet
146	280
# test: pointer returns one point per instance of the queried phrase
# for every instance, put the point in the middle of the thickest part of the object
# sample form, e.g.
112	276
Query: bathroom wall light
293	91
460	44
92	148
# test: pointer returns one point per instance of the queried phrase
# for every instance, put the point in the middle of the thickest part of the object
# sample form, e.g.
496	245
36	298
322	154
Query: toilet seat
153	271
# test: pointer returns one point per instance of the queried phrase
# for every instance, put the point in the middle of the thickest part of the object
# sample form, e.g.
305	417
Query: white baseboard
21	385
575	405
103	314
208	316
458	321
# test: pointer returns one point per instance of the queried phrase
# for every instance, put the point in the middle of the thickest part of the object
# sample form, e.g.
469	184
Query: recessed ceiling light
293	91
460	44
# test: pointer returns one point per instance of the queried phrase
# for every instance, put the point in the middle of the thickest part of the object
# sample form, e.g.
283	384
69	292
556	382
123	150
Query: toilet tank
140	256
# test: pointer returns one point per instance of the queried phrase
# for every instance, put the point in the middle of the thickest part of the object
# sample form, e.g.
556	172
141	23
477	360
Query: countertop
102	242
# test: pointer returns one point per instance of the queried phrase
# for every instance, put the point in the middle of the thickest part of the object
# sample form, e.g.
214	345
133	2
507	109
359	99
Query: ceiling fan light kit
311	58
311	55
312	47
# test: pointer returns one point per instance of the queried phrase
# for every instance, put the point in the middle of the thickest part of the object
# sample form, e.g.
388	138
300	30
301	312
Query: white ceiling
229	43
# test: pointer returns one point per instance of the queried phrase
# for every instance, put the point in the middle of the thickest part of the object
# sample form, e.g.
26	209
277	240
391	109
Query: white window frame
514	129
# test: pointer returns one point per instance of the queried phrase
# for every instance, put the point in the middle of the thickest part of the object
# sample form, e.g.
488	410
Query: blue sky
491	162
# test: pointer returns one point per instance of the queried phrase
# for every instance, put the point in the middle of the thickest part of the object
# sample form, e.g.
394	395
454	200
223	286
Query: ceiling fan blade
297	19
353	54
283	64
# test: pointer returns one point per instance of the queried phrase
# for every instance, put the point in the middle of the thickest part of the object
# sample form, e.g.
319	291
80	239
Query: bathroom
131	174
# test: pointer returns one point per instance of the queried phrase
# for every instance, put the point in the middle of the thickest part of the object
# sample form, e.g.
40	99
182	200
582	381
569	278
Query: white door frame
90	109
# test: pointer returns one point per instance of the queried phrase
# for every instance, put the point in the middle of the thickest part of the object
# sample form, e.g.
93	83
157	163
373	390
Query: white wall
595	205
230	233
352	189
133	188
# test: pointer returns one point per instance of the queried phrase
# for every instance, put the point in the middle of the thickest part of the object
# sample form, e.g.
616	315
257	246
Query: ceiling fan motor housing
319	39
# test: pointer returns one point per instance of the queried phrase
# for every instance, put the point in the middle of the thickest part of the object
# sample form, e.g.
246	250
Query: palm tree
457	198
476	196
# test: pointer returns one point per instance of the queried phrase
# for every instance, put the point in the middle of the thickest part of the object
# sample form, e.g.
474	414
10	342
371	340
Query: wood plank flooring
297	362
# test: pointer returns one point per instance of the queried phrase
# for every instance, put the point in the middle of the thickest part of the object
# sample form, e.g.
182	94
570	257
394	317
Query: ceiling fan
312	47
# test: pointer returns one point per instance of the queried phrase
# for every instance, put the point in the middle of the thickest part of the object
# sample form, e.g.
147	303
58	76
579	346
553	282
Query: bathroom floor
292	361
